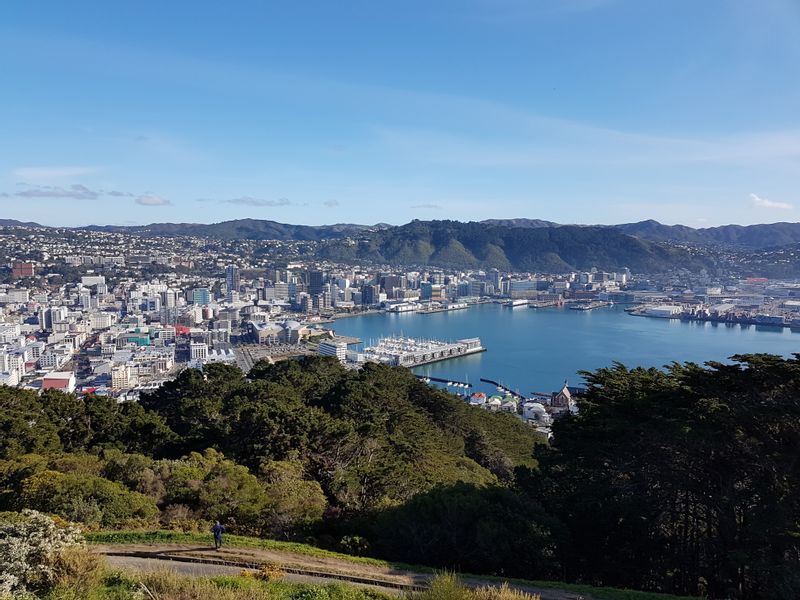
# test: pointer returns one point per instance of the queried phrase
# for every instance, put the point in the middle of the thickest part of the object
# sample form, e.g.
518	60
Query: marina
538	349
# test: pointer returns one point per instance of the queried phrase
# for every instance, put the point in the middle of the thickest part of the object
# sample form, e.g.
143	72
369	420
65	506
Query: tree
294	503
87	498
486	529
690	474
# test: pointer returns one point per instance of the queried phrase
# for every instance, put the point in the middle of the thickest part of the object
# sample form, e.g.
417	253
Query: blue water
537	349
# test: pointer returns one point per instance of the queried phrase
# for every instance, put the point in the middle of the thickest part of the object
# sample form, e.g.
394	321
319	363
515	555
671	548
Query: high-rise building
315	282
233	279
169	298
370	294
201	296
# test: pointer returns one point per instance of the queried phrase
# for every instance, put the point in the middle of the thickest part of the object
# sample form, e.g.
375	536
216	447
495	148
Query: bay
538	349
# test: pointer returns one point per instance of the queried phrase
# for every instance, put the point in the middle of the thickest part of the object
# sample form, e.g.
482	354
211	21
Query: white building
663	311
337	349
198	351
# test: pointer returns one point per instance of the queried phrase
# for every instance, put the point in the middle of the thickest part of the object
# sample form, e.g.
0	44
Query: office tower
233	279
315	282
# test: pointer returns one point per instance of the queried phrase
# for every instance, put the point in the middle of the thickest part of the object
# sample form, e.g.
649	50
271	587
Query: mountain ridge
762	235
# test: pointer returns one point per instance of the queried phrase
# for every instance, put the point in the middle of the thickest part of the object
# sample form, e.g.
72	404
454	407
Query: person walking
217	530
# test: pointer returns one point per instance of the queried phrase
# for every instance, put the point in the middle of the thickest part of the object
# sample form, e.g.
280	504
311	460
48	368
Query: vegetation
39	554
41	557
478	245
294	449
682	481
240	229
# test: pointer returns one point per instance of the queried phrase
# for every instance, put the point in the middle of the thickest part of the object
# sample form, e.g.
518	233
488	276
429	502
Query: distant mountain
15	223
478	245
244	229
522	223
751	236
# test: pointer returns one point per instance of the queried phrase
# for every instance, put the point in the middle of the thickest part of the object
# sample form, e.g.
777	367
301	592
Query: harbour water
536	350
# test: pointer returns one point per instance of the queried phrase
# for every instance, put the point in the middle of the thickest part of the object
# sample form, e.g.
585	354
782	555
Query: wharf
448	382
503	388
544	304
589	305
428	311
413	352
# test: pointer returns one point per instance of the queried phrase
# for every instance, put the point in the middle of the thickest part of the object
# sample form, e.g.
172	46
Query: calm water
536	350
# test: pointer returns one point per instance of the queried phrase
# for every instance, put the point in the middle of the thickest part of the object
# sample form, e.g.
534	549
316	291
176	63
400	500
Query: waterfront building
663	311
335	349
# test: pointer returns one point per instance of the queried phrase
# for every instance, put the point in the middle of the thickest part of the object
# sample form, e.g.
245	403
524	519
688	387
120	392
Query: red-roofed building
59	380
22	269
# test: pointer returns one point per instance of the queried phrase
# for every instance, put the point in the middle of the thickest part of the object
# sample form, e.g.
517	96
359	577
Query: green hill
481	245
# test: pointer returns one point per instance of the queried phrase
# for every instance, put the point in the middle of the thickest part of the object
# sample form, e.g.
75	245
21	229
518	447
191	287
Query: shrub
270	572
31	552
86	498
449	587
354	545
78	569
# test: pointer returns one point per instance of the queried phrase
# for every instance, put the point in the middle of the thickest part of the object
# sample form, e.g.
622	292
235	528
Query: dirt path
297	565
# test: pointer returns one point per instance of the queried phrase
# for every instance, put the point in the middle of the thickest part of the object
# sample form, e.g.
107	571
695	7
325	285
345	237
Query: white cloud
152	200
250	201
38	173
78	192
760	202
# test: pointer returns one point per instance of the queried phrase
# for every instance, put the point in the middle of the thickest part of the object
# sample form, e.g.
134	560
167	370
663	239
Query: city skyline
586	111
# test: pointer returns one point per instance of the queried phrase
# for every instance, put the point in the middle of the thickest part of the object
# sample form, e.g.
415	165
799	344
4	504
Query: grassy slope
172	537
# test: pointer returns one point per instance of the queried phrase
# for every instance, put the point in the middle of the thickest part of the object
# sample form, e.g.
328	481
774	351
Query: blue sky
576	111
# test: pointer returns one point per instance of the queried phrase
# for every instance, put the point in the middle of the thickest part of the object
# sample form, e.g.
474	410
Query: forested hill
684	480
472	245
751	236
244	229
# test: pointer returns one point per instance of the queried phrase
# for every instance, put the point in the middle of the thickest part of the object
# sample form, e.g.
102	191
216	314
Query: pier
503	388
589	305
448	382
412	352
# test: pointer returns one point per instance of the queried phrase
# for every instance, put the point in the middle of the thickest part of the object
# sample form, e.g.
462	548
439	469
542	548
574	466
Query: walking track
195	560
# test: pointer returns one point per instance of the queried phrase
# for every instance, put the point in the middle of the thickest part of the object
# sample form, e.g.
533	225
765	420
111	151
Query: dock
589	305
448	382
503	388
443	308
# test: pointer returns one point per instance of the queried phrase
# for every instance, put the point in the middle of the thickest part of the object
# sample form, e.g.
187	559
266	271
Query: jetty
427	310
503	388
448	382
589	305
